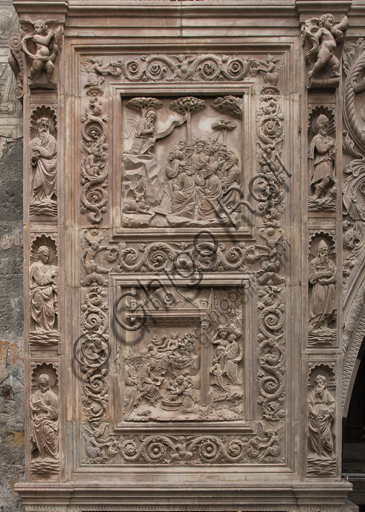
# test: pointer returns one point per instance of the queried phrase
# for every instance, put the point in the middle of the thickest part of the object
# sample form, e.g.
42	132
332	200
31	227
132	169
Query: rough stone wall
11	323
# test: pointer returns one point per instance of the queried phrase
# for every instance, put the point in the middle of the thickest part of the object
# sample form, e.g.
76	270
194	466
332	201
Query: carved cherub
43	35
324	36
270	68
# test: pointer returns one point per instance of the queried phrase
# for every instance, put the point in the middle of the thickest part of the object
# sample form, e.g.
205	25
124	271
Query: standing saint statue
44	162
44	427
321	408
322	155
322	277
43	292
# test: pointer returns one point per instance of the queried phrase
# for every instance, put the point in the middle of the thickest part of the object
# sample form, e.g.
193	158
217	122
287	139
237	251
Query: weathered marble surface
185	193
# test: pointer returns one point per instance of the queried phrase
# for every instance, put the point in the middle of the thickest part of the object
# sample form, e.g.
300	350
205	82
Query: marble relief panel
182	161
185	363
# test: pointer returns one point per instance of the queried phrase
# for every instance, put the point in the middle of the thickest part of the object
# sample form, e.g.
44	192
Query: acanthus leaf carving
267	186
184	67
94	159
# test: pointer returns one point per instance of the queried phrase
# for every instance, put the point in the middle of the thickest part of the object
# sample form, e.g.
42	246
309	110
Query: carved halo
50	369
48	242
328	370
44	111
314	240
313	116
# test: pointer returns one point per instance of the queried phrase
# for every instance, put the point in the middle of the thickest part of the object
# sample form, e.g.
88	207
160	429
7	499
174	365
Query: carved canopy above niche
184	298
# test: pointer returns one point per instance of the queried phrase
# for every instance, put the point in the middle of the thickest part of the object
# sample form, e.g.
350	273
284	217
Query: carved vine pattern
354	146
94	159
104	448
174	68
268	184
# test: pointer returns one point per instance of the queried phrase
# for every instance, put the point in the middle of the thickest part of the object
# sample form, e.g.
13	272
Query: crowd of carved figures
201	177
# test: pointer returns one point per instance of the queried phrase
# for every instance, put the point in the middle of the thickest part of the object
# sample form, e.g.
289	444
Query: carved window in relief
183	355
182	161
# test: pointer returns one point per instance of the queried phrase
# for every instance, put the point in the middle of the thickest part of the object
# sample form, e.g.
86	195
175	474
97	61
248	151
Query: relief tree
224	126
142	104
187	106
229	105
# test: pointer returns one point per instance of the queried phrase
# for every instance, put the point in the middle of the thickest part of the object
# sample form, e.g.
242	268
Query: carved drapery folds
43	162
44	415
322	160
200	181
322	298
321	417
43	285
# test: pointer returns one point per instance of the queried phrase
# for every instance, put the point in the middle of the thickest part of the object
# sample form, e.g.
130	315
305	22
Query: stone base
130	496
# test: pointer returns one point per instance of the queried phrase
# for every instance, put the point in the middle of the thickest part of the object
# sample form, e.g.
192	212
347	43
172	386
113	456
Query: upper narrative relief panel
182	161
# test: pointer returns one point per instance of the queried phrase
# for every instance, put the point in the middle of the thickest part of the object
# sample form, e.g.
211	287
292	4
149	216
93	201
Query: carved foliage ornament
354	146
94	159
174	68
267	187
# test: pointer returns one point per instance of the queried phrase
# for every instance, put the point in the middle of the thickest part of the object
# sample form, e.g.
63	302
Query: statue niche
44	415
43	161
322	161
322	301
321	416
174	177
43	286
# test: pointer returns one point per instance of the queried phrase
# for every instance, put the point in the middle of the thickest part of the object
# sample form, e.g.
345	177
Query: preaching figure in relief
43	291
44	162
44	426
